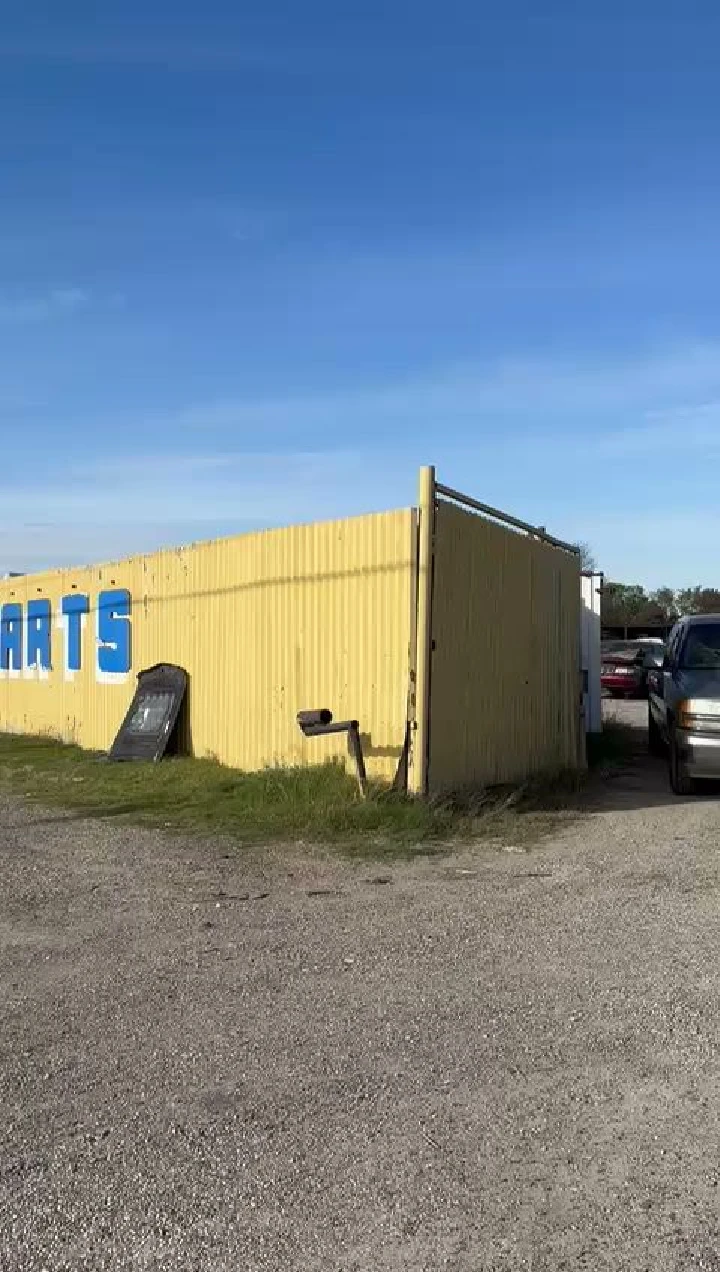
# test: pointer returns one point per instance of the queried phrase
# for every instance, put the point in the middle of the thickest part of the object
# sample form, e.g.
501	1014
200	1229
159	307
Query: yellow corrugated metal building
433	623
504	699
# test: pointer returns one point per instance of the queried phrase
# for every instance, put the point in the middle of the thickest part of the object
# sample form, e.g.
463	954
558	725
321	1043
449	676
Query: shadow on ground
636	779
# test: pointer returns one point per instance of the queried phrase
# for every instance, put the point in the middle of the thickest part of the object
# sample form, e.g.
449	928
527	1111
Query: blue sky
258	263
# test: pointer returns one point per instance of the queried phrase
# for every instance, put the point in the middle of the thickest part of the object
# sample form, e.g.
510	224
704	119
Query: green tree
710	601
687	600
627	604
699	600
623	604
665	600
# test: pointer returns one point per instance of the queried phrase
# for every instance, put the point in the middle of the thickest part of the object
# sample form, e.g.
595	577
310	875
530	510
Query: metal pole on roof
418	769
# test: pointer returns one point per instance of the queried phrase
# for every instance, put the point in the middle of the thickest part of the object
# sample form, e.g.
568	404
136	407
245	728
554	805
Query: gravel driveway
505	1060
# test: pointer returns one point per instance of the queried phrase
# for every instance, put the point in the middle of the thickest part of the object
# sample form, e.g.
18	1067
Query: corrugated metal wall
265	624
505	669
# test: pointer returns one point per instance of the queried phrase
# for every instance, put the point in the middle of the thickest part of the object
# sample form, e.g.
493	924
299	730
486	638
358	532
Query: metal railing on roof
539	532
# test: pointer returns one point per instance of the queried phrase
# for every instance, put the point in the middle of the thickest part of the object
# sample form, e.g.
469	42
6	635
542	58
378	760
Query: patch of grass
319	804
314	805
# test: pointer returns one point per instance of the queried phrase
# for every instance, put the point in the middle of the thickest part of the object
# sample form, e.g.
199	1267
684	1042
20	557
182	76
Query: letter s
114	654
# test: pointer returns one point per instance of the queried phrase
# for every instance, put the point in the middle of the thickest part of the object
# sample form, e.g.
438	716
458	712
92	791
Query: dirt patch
502	1059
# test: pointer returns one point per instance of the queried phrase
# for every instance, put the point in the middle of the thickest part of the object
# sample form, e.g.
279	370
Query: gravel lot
505	1060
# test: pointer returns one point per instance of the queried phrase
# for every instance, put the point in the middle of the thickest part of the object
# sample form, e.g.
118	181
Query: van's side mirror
656	682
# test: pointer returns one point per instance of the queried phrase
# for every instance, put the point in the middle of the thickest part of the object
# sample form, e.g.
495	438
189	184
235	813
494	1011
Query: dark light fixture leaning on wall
318	723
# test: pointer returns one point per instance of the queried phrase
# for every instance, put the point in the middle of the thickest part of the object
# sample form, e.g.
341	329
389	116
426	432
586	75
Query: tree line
627	604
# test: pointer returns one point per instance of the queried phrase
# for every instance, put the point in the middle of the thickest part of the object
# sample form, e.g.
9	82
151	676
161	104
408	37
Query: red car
625	666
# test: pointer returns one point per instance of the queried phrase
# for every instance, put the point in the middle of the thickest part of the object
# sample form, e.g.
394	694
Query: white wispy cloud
696	427
467	393
126	504
538	438
221	467
57	303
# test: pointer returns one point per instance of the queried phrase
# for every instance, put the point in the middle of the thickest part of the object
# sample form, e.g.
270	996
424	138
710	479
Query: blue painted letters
11	638
39	617
27	634
114	632
73	608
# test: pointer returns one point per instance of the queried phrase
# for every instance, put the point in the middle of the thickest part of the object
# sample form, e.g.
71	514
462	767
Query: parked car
625	665
684	703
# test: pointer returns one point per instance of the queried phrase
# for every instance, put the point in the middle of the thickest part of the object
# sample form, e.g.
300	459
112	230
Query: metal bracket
319	723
